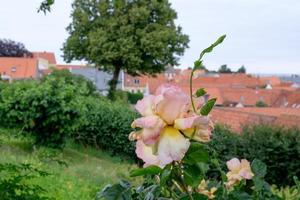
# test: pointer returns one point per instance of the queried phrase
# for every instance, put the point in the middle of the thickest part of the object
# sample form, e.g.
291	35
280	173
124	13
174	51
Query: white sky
263	35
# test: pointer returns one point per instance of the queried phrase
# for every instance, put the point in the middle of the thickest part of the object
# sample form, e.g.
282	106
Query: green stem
182	183
191	90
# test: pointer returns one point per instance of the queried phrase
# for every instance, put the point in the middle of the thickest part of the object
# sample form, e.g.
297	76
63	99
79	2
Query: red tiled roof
19	68
45	55
272	80
236	118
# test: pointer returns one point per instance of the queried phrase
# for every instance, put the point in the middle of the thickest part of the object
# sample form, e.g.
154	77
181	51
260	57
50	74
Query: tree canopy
224	69
9	48
242	69
46	6
138	36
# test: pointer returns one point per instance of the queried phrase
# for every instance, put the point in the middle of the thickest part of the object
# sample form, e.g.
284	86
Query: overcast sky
263	35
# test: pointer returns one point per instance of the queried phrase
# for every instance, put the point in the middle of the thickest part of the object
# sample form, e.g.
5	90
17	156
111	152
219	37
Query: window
136	81
13	69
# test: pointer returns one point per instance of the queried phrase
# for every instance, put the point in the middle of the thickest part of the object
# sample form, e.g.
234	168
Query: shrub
134	97
275	146
106	125
121	96
47	109
78	81
15	182
261	104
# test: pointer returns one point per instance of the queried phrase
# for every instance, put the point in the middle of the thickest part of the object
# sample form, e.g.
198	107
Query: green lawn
77	172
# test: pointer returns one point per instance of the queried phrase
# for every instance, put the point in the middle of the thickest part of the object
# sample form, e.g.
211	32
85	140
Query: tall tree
9	48
242	69
138	36
224	69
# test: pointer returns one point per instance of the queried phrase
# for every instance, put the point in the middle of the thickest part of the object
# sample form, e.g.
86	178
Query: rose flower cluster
166	125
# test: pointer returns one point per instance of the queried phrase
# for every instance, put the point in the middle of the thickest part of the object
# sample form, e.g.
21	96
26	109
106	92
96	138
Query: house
135	84
15	68
48	56
99	77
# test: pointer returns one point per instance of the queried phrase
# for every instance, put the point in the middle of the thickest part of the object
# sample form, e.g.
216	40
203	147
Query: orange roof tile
45	55
272	80
236	118
19	68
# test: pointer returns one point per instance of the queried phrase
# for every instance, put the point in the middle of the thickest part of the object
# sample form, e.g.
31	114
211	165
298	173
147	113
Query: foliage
121	96
9	48
139	37
288	193
104	124
45	109
77	81
261	104
15	182
86	170
274	145
46	6
134	97
242	69
224	69
168	183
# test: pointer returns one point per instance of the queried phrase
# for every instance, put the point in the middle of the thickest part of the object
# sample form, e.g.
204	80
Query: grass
76	172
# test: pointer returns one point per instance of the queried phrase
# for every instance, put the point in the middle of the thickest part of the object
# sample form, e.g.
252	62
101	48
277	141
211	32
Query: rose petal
196	126
171	103
152	126
145	105
233	164
145	153
172	146
191	122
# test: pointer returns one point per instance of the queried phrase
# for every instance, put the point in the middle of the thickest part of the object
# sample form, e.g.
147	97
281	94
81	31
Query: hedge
278	147
106	125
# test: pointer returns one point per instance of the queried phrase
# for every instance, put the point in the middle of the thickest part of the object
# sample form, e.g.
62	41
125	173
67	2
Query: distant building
135	84
98	77
48	56
12	68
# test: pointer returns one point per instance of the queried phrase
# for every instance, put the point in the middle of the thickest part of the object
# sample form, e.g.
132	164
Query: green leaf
165	175
197	64
120	191
196	154
205	110
212	46
200	92
192	175
196	196
259	168
151	170
258	183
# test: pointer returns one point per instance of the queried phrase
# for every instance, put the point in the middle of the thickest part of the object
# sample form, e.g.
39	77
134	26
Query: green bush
121	96
261	104
106	125
45	109
134	97
278	147
16	182
71	79
62	106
